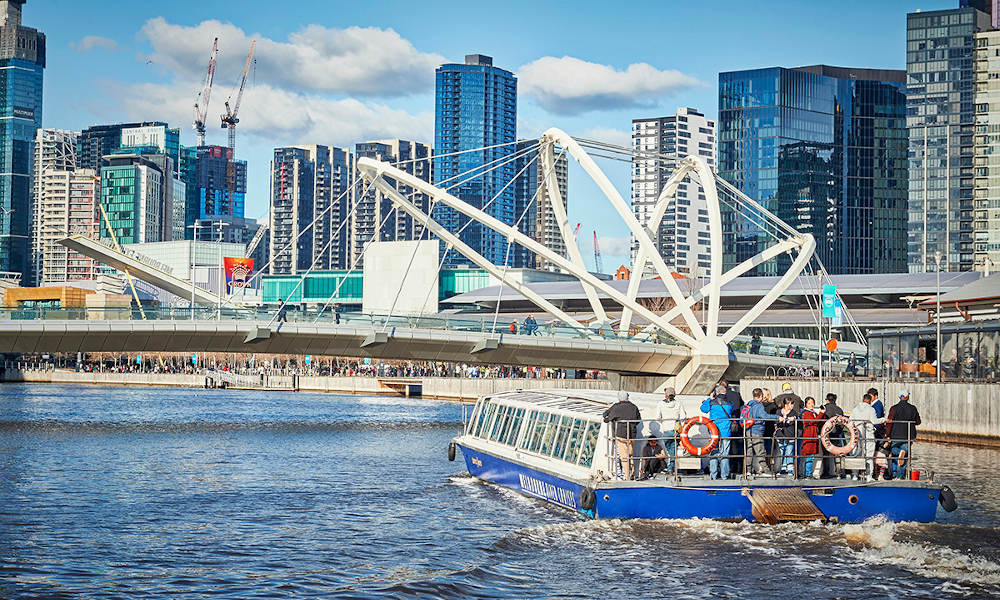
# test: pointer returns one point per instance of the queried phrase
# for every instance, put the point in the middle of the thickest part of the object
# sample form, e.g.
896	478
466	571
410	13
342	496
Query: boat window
490	410
573	443
560	445
541	425
550	435
498	422
515	427
529	429
589	444
477	418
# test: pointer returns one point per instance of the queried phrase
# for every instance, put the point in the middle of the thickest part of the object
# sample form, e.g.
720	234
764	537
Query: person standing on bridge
282	311
530	325
624	418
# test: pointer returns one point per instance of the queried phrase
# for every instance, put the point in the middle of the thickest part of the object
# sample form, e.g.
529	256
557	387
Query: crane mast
230	119
598	263
201	102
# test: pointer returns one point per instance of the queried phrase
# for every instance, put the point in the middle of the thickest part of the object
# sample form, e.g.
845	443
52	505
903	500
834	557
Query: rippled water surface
134	493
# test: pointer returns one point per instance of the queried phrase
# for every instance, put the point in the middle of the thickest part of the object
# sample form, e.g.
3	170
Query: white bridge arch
708	345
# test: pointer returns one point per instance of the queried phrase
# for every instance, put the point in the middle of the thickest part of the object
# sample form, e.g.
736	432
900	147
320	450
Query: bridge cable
517	155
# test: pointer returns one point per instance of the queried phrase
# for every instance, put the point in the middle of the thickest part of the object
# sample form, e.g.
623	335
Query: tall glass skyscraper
476	107
823	148
22	61
941	118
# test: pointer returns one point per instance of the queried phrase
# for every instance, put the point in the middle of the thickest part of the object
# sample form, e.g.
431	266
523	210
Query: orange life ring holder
713	430
852	429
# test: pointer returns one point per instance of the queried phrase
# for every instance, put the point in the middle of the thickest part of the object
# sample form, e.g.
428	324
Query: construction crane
598	264
229	120
201	102
257	237
576	231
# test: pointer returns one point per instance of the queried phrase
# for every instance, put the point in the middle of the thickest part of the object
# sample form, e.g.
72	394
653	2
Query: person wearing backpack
753	417
721	412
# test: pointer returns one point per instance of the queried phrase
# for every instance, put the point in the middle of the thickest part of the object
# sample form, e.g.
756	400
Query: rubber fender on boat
947	499
852	430
587	498
451	451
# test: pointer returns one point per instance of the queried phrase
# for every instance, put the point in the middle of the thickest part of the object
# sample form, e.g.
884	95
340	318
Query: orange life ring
713	430
852	429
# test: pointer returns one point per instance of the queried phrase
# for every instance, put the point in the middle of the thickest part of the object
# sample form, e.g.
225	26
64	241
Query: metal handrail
877	446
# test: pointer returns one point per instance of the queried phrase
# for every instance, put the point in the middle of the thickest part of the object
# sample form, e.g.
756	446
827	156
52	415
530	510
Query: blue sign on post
194	359
838	313
308	358
829	301
138	359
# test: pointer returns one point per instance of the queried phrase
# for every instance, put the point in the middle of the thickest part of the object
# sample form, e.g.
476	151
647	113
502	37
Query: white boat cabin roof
588	404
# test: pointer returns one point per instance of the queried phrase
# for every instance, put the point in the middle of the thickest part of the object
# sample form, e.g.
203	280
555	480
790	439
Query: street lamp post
937	315
222	276
194	246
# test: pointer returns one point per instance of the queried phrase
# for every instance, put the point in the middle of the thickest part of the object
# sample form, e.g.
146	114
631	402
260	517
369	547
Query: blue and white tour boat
553	445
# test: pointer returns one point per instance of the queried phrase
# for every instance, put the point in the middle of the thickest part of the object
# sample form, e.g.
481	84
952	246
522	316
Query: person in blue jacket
752	418
720	411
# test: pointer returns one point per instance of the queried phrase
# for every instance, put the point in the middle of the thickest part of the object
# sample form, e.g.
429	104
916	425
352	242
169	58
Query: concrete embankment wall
449	388
959	412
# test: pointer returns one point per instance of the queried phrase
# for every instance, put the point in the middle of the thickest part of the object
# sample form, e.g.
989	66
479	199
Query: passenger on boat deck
864	415
624	418
812	420
653	458
754	424
786	393
901	428
720	411
772	409
784	432
879	412
670	416
834	465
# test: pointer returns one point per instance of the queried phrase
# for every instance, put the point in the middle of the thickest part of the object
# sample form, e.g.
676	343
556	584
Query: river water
141	493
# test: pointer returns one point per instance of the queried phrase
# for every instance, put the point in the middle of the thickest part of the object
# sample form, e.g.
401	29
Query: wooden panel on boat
774	505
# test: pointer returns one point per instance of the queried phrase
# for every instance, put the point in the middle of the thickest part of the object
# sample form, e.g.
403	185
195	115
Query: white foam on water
874	542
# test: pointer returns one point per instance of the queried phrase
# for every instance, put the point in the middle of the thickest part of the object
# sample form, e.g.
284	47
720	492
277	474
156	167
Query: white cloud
88	43
366	61
569	85
280	117
615	246
609	135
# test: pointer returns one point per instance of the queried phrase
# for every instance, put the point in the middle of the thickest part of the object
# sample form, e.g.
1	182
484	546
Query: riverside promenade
464	389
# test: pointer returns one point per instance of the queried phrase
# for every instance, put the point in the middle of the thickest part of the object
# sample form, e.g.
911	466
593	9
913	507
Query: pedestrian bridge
36	331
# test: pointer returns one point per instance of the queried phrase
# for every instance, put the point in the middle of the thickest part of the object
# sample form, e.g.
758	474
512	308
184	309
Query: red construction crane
201	102
576	231
598	265
229	120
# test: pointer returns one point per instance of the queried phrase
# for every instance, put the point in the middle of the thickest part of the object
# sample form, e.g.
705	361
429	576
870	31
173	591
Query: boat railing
794	448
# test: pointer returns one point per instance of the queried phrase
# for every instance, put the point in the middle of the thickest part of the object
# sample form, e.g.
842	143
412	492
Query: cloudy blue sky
332	72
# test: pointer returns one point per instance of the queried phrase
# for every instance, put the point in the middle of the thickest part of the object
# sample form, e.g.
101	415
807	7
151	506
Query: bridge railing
482	325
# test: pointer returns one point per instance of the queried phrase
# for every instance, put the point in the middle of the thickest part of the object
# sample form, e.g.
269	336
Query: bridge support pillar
701	373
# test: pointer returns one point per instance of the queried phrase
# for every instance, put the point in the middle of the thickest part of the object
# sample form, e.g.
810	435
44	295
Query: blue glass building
216	184
22	62
941	115
823	148
476	107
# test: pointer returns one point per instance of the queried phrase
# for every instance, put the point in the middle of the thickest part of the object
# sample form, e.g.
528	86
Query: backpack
746	420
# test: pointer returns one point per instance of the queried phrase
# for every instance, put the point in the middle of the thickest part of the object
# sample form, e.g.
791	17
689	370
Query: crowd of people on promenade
780	436
321	366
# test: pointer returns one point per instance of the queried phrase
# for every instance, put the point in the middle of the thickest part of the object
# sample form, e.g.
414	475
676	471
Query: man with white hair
864	415
624	418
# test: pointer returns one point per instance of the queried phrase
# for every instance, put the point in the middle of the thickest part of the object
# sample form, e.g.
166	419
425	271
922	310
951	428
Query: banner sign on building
829	301
24	113
237	272
838	313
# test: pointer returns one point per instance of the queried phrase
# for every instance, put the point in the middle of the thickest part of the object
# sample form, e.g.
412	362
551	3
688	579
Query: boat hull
843	501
